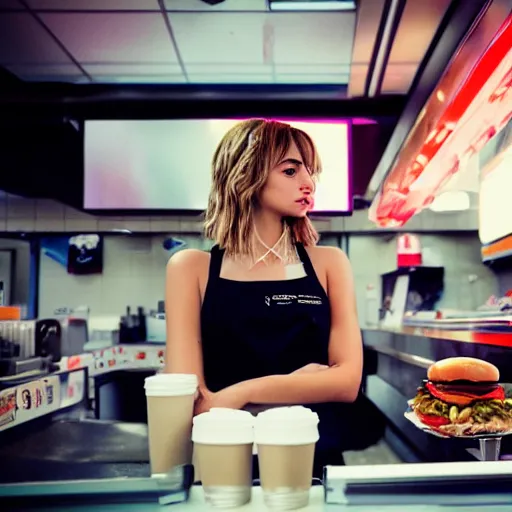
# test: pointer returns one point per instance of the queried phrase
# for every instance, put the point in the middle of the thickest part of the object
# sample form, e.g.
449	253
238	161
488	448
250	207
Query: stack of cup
170	401
223	441
286	439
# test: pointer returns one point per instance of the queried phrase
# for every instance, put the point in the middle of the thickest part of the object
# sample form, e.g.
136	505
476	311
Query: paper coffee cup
223	441
170	402
286	439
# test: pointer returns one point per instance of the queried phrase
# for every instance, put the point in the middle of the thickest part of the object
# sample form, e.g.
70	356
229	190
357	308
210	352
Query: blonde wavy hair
240	168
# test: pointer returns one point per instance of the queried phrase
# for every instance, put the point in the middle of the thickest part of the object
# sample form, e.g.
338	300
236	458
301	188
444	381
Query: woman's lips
306	202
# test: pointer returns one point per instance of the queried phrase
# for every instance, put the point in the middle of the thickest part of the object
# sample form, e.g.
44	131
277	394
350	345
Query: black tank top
253	329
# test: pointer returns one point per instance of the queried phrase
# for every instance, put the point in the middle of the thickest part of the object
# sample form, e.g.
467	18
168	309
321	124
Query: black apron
253	329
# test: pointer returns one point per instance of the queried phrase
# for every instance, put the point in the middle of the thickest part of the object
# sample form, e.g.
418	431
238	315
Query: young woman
266	318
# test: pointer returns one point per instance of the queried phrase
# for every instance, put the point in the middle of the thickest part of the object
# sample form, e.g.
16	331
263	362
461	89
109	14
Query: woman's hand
312	367
232	397
202	403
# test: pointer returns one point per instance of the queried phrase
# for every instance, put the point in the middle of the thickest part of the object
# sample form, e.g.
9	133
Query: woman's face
289	188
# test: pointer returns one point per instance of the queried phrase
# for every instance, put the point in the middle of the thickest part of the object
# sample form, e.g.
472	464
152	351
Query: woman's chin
294	215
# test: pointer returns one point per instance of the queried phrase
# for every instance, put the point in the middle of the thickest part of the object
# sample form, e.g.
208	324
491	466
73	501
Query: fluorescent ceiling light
312	5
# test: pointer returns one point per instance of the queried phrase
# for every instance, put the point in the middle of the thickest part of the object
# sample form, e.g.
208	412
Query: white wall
133	275
373	255
134	272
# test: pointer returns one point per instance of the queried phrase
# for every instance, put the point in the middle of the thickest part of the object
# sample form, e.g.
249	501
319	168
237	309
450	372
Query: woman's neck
269	227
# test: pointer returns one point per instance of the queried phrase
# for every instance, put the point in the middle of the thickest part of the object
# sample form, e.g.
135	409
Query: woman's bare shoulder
326	254
330	263
192	262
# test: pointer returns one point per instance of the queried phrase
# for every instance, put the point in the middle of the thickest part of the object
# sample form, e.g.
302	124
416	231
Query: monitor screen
166	164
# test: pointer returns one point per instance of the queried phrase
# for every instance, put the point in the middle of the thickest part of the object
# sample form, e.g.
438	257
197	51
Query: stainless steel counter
196	503
70	449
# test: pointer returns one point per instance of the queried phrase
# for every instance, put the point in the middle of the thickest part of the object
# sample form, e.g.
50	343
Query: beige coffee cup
223	441
170	402
286	439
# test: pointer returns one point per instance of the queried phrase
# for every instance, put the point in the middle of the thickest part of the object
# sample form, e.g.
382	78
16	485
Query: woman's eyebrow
293	161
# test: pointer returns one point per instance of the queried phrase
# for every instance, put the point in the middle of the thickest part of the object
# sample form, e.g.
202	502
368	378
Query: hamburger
463	397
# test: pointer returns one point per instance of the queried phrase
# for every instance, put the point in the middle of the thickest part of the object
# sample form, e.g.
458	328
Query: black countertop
73	450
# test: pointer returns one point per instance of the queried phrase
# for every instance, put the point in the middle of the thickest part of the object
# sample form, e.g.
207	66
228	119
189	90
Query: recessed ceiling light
312	5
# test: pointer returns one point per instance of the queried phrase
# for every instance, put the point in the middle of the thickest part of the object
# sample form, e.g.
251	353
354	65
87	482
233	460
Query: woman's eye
290	172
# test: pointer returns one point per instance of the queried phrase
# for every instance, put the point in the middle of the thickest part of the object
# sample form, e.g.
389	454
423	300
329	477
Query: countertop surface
74	450
316	504
197	503
503	339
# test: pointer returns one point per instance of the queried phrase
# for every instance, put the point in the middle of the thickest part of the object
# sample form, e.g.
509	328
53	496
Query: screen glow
166	164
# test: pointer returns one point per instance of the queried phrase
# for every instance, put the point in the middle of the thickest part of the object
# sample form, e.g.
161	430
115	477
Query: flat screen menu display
166	164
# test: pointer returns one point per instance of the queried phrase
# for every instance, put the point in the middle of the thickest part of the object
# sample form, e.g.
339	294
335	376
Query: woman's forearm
337	384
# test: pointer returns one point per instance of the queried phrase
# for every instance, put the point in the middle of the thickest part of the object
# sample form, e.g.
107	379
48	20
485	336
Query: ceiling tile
47	69
358	75
139	79
211	69
24	41
316	78
417	27
399	77
313	37
135	68
95	5
311	69
367	26
11	5
47	73
67	79
113	37
220	38
231	78
263	38
227	5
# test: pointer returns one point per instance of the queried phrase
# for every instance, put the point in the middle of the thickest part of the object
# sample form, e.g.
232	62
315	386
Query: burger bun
463	368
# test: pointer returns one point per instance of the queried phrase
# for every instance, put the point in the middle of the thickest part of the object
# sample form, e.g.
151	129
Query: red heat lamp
479	110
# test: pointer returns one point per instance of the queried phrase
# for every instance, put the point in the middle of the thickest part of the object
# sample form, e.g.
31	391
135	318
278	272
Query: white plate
411	416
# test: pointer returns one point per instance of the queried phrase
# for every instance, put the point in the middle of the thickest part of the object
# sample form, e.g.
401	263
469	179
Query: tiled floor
376	454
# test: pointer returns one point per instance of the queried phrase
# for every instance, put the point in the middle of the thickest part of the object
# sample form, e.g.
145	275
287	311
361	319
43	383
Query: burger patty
479	411
462	387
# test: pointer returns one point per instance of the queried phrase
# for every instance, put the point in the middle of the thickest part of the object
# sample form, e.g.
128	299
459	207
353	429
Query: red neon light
481	107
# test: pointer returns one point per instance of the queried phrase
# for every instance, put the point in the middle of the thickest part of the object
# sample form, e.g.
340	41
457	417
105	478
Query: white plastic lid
171	384
286	426
233	412
223	426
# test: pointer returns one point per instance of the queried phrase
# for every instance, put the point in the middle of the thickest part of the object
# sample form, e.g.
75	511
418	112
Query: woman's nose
307	185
